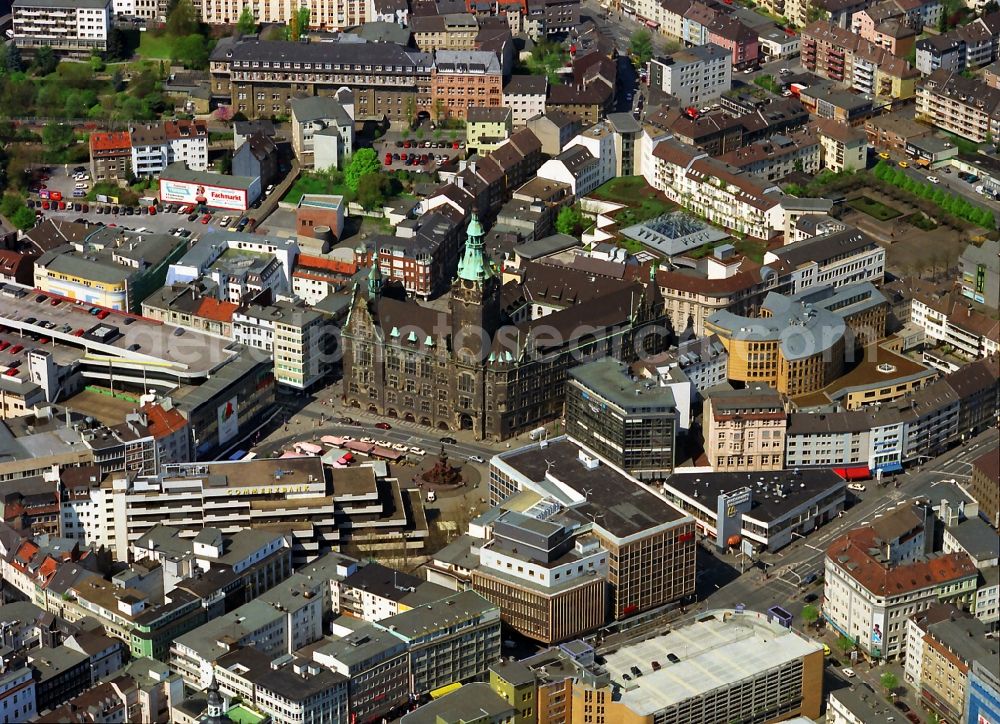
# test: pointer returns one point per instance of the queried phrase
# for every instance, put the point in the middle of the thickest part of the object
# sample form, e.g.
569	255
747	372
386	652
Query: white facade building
17	695
720	193
67	26
576	167
693	76
599	139
837	259
880	574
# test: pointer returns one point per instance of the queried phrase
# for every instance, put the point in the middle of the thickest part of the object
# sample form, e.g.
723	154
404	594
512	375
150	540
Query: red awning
652	25
856	473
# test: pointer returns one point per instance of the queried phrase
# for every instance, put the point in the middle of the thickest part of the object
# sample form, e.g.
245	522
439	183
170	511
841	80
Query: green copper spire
374	278
473	266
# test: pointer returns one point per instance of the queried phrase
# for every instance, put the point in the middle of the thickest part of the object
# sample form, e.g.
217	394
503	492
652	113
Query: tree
810	614
845	644
13	61
246	25
58	136
641	47
183	20
45	61
889	681
302	17
23	218
364	162
191	51
117	45
569	221
373	190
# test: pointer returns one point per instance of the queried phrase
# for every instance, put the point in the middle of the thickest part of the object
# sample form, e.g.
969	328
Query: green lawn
312	184
643	202
875	209
154	46
752	250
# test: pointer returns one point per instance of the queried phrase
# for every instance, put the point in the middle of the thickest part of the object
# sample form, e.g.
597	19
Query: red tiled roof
26	552
185	129
330	265
163	422
110	141
10	261
216	310
851	553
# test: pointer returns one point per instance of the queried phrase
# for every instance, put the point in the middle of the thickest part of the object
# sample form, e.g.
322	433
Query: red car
388	159
56	196
55	302
16	348
383	425
206	218
103	313
152	211
4	345
78	333
11	372
45	205
43	340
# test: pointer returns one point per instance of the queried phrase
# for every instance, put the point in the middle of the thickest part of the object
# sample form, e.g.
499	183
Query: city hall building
468	366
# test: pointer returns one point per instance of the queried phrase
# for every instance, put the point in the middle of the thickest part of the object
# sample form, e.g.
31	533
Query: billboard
187	192
228	418
729	515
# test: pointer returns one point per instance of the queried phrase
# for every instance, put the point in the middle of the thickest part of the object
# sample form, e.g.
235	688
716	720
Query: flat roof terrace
613	500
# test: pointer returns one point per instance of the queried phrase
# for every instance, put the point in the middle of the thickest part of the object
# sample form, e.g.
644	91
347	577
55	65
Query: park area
875	209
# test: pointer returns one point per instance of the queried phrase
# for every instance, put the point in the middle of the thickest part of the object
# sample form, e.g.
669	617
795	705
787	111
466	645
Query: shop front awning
855	473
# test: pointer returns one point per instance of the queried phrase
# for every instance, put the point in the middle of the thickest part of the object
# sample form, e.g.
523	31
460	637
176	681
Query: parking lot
160	222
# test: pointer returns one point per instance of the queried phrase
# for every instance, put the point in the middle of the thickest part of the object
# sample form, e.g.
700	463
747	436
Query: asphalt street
721	584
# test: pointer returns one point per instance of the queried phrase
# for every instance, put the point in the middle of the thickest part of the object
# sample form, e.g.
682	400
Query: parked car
383	425
449	440
856	487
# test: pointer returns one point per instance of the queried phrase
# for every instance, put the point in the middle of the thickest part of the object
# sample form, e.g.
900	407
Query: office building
982	692
745	429
801	343
650	547
766	510
111	268
631	424
248	73
836	259
296	335
268	492
549	582
462	80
